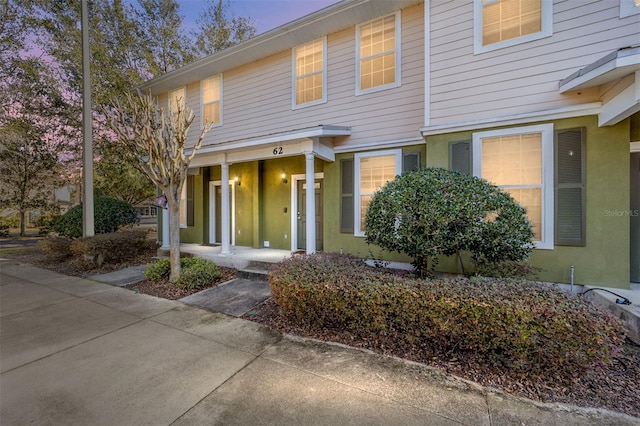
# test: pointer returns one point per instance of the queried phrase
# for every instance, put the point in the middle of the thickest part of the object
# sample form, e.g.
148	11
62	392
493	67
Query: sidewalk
74	351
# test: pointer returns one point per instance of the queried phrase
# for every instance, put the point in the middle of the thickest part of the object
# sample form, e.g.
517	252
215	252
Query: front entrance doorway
215	213
634	217
301	213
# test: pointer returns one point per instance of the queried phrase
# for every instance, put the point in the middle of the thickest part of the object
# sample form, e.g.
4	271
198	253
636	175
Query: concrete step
253	274
259	265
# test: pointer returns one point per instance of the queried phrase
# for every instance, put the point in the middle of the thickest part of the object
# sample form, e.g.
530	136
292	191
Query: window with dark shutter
460	157
346	195
410	161
570	187
190	192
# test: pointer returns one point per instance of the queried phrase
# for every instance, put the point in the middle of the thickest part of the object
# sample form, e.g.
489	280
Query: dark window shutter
411	161
570	187
346	195
460	157
190	192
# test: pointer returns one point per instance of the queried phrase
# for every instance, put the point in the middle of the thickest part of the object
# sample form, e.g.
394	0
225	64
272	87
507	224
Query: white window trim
397	82
356	182
294	78
628	8
219	123
547	29
183	205
546	242
184	96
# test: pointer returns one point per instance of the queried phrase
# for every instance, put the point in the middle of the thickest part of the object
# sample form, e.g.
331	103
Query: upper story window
309	73
177	98
520	161
502	23
378	54
629	7
211	92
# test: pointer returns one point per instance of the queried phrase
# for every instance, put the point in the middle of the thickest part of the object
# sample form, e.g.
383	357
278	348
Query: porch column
224	216
311	204
165	229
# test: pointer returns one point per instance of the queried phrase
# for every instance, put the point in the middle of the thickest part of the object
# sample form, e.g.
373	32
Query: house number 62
277	150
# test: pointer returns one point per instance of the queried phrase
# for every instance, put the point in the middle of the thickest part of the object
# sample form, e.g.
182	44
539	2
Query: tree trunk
174	240
22	225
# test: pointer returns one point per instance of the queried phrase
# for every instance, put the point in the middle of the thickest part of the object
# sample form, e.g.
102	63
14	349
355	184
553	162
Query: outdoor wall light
237	180
284	178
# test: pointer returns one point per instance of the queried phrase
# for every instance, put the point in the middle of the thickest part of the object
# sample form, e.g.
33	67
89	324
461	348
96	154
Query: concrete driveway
77	352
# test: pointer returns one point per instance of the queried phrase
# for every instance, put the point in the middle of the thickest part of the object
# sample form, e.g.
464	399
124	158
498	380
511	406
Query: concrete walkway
74	351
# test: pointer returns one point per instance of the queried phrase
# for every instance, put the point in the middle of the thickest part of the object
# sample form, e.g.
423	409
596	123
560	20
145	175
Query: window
519	160
629	7
211	92
309	75
378	54
177	97
502	23
372	171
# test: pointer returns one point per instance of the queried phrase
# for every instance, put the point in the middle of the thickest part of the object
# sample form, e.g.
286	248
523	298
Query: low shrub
109	216
514	325
56	249
4	230
507	269
195	272
114	247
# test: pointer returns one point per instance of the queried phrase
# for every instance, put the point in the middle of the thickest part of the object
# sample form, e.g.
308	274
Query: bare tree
156	139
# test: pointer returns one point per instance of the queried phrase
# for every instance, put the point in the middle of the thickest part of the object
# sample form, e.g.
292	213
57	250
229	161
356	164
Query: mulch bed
165	289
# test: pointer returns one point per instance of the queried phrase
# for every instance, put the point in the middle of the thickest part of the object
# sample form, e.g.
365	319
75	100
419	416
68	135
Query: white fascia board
624	63
592	108
623	105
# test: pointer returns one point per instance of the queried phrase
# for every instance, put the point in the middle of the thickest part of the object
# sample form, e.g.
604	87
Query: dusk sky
266	14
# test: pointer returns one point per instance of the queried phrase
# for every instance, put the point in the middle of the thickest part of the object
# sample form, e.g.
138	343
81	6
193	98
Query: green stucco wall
605	258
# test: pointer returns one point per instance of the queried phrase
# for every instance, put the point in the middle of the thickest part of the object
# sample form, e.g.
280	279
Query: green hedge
109	216
512	324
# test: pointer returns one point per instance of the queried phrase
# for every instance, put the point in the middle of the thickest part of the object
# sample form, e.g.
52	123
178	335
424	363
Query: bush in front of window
109	215
431	212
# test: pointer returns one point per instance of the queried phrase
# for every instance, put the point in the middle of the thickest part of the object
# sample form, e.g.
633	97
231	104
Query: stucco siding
522	78
257	98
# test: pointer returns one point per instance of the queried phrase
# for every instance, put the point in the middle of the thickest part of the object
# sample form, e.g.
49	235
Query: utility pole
88	228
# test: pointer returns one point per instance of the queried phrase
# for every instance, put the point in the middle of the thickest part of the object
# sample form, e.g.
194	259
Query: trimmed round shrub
109	215
514	325
431	212
195	272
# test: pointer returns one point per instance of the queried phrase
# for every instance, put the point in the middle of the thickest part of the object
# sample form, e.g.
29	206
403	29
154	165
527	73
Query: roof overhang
612	67
317	140
331	19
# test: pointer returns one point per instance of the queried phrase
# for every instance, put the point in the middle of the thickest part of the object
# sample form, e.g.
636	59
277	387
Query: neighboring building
540	97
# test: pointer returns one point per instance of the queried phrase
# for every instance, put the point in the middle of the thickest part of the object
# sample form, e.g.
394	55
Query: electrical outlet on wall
266	243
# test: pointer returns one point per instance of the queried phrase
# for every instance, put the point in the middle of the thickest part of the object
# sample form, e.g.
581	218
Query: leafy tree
216	32
432	212
156	140
27	168
110	215
34	137
167	48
